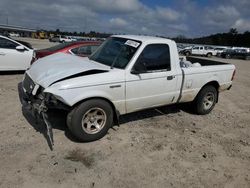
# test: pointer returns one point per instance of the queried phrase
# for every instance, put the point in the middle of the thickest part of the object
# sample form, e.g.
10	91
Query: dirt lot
167	147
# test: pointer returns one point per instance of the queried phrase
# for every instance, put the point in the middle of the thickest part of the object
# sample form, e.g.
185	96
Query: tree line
82	34
232	38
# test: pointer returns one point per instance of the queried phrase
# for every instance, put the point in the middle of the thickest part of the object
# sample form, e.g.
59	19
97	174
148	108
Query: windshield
116	52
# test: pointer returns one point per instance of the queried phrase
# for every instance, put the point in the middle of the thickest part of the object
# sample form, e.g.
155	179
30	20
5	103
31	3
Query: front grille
28	84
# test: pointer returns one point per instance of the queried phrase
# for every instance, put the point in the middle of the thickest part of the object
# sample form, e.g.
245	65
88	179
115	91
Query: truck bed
204	62
209	71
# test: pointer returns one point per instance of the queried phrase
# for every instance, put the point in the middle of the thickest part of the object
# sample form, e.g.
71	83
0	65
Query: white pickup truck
125	74
201	51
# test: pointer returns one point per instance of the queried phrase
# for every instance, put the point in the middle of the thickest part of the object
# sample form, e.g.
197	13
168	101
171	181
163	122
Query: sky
171	18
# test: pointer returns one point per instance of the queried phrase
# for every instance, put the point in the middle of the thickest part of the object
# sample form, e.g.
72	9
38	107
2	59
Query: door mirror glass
20	48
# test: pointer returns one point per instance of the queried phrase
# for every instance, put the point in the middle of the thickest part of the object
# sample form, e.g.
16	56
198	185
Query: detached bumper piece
36	105
49	128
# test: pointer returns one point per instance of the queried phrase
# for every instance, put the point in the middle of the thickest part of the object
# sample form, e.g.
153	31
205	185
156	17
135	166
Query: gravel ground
165	147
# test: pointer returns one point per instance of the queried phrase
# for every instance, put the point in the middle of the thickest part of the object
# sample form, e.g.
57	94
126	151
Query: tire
187	53
205	100
227	56
90	120
209	55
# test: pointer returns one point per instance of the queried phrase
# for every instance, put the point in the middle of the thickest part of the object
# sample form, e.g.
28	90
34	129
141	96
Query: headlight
34	54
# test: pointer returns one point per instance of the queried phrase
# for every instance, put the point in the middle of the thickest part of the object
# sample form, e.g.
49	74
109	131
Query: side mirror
20	48
133	71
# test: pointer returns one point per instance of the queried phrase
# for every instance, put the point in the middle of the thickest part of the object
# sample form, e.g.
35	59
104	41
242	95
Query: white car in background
14	35
14	56
64	39
219	50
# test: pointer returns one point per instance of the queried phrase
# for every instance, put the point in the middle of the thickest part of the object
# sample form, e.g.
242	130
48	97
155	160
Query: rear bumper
229	87
224	87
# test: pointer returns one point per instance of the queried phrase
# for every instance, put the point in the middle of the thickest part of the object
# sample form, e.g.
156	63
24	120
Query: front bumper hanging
37	109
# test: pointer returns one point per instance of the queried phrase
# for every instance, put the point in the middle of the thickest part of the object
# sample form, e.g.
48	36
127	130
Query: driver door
151	82
195	50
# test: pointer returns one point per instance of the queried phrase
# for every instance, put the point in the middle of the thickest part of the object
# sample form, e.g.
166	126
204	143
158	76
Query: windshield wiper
113	63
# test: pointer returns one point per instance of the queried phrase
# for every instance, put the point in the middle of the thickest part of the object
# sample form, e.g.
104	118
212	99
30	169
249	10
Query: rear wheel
228	56
205	100
187	53
90	120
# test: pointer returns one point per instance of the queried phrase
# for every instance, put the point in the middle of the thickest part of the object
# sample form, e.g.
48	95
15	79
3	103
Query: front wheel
90	120
205	100
209	55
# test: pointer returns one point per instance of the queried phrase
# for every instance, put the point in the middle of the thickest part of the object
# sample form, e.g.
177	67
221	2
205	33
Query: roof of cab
143	38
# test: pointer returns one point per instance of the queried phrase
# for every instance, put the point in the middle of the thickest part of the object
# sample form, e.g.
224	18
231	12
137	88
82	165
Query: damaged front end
38	102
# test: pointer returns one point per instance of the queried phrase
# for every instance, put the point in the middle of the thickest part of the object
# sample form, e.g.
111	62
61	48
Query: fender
72	97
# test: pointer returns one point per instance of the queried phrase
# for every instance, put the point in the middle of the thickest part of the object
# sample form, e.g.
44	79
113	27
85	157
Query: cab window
154	57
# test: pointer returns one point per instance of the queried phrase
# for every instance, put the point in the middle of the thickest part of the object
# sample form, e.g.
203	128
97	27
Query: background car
14	34
203	51
79	48
236	53
64	39
219	50
14	55
54	39
186	51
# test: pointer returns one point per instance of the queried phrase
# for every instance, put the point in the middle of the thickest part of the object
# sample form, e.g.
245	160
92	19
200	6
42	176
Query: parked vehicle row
236	53
125	74
208	51
62	39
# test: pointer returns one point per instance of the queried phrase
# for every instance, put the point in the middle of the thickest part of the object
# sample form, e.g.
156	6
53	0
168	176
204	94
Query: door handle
114	86
170	77
2	53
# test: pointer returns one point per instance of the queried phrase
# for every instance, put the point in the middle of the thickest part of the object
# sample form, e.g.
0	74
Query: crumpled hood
50	69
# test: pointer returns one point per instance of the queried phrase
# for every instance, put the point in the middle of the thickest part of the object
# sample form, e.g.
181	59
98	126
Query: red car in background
79	48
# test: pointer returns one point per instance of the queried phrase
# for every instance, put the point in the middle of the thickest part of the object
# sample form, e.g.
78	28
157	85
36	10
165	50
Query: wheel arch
115	111
209	53
213	83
